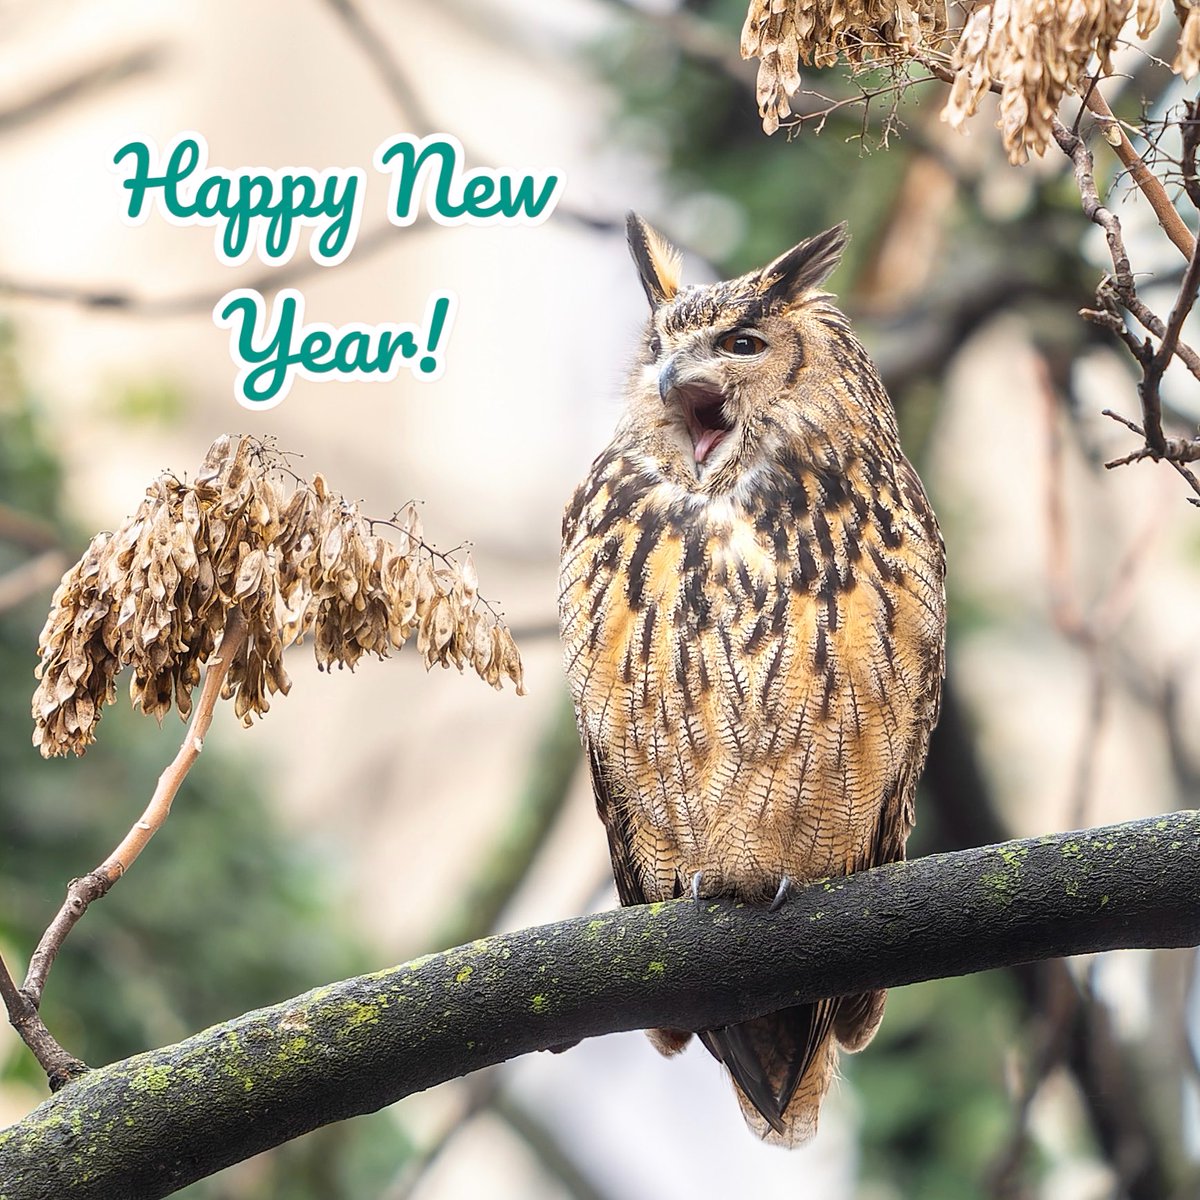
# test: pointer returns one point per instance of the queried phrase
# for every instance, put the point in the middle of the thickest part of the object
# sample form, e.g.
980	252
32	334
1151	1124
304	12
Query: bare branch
153	1123
80	85
60	1067
1190	129
24	529
1075	148
1176	451
1146	181
31	578
97	883
1153	362
700	40
1148	389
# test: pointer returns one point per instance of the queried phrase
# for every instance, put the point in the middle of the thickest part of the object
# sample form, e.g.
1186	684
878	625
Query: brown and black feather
752	607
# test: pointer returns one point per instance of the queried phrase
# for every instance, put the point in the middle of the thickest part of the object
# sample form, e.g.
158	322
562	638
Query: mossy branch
150	1124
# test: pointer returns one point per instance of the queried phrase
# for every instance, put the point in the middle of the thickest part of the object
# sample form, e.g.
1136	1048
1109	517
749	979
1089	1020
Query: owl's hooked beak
702	402
668	377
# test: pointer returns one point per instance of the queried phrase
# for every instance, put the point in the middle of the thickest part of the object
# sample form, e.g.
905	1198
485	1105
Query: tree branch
148	1125
35	576
97	883
1146	181
59	1065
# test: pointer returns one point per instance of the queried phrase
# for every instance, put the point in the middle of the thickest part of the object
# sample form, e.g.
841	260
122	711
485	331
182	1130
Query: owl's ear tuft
805	266
658	262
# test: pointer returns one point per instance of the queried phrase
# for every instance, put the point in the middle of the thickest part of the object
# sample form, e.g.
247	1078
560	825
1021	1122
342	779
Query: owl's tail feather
782	1065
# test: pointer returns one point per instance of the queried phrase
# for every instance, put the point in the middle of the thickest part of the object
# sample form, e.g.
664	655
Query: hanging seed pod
156	595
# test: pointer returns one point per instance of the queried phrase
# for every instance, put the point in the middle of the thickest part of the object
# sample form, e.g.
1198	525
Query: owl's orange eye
741	343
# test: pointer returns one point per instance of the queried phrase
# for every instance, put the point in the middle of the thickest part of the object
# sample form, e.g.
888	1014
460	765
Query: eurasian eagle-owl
752	606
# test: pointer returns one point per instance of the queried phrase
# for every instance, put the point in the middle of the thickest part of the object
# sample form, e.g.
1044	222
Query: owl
752	607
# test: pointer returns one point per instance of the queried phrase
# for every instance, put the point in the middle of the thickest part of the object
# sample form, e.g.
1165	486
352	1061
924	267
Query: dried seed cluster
783	33
291	560
1036	51
1187	62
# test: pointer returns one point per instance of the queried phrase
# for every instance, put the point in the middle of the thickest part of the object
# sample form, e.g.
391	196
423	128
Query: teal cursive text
271	351
254	208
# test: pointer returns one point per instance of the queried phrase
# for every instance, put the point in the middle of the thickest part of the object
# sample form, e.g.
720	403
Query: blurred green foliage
153	401
708	126
224	912
934	1111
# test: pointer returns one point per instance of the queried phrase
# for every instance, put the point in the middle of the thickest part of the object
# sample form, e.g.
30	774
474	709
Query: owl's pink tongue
707	442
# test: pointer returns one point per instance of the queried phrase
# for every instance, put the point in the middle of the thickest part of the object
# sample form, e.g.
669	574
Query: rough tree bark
150	1124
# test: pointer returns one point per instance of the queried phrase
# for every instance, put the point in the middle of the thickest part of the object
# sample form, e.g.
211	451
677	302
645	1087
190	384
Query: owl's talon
782	892
697	899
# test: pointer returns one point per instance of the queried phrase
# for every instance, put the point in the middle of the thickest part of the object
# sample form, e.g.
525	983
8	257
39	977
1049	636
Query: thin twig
1148	389
373	45
81	892
1176	451
81	84
1153	363
1153	323
24	529
700	40
1147	182
31	577
60	1067
267	281
864	97
1075	148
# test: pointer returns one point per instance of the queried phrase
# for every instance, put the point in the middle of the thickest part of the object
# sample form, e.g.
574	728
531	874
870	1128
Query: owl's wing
616	823
857	1017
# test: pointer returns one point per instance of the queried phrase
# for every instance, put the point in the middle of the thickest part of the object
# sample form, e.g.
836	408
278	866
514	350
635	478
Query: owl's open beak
702	403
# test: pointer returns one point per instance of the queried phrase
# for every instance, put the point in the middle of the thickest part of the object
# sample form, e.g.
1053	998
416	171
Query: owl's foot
782	893
697	898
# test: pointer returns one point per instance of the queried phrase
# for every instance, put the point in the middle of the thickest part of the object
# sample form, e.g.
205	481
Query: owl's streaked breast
760	666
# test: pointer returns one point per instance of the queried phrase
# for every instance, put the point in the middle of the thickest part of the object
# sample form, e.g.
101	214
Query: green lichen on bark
146	1126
